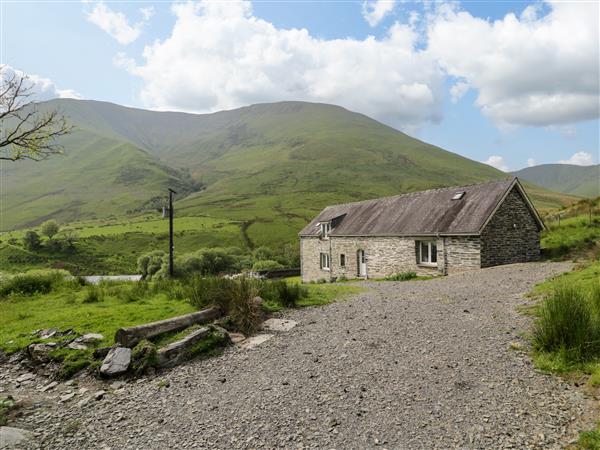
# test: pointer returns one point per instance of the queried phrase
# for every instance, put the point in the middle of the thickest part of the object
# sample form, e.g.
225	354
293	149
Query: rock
279	324
66	397
253	341
117	385
69	382
26	377
83	401
236	338
258	301
99	395
89	338
12	437
116	362
77	346
47	333
49	386
39	352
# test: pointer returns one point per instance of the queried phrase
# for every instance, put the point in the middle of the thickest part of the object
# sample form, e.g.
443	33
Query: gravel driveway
419	364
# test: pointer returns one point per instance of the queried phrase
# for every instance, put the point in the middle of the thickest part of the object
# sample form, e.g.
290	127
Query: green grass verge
20	316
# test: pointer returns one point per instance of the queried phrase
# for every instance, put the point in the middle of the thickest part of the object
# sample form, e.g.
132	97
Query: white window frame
429	245
325	229
325	261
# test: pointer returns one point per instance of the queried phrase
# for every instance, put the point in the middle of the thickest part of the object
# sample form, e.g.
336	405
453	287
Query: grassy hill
265	170
583	181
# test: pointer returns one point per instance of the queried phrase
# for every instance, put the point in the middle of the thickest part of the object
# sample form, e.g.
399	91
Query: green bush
49	228
282	293
266	264
402	276
32	282
151	263
31	240
210	261
204	291
569	323
93	294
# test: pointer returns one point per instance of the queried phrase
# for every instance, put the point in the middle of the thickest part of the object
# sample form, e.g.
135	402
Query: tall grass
569	322
32	282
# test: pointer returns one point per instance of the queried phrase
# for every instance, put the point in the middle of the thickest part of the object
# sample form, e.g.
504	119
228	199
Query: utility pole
171	192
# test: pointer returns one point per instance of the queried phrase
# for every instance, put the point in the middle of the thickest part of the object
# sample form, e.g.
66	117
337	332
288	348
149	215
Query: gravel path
420	364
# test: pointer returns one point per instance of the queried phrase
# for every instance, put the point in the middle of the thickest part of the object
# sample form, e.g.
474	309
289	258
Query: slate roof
418	213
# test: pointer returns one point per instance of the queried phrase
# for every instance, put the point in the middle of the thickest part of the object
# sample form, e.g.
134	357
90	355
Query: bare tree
26	132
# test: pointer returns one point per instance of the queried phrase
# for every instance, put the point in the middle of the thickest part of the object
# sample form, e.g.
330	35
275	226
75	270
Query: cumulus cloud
531	162
533	70
220	56
41	89
497	162
579	159
375	10
116	24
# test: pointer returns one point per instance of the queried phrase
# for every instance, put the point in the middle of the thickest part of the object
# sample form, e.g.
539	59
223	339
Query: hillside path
404	365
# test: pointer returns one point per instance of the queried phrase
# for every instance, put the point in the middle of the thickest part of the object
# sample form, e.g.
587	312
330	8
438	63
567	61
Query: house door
362	263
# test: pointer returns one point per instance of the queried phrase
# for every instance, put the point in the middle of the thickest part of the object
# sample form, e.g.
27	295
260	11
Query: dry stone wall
512	235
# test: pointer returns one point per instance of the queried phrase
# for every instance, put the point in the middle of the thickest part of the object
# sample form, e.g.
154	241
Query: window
427	253
325	261
325	229
458	195
342	260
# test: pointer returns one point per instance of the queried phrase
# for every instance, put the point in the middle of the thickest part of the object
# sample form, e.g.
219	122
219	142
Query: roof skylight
458	195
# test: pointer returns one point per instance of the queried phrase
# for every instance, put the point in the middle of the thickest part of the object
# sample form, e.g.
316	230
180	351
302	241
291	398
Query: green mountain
270	166
583	181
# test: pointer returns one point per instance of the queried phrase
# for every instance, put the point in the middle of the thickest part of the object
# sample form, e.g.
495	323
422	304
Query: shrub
202	292
283	293
93	294
262	254
234	297
49	228
32	282
245	314
149	264
266	264
569	324
31	240
402	276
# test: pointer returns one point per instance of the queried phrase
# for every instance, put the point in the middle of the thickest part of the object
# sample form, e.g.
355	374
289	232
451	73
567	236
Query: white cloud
497	162
458	90
531	162
42	89
116	24
219	56
531	70
579	159
375	10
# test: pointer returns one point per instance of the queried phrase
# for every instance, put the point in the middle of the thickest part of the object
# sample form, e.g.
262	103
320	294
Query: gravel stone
400	366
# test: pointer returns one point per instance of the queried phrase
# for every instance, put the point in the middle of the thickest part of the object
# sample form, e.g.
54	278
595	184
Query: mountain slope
583	181
271	166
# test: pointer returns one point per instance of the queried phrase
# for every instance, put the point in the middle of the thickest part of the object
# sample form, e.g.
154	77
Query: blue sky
511	83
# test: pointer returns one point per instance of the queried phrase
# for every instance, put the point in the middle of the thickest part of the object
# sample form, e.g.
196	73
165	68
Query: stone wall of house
385	256
512	235
310	264
460	253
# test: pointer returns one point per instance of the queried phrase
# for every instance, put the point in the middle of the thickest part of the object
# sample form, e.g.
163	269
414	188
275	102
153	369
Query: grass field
65	308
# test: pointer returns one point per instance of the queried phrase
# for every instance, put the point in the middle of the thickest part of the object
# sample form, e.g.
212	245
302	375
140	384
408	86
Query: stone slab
279	324
254	341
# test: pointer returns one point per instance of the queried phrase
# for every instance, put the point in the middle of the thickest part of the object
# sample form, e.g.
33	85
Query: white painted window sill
427	264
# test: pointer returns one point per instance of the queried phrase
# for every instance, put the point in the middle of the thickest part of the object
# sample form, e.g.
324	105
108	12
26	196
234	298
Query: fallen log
177	352
129	337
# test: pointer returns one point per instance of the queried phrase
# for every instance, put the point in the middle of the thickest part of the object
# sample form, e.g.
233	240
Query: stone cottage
434	231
